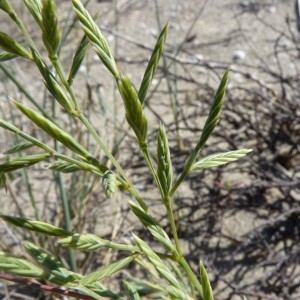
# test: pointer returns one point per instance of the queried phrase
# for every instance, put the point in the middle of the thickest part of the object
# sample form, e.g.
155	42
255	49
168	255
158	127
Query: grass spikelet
107	270
36	226
5	6
90	242
164	164
35	7
207	291
157	262
54	269
52	129
155	229
34	141
52	85
78	58
152	64
19	147
134	112
219	159
19	266
50	29
10	45
97	39
6	56
22	162
109	184
214	113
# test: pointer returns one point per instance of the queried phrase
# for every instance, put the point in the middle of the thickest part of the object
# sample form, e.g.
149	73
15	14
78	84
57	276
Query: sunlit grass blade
90	242
52	129
164	164
23	162
97	39
19	147
10	45
219	159
152	64
54	269
36	226
134	112
107	270
19	266
207	290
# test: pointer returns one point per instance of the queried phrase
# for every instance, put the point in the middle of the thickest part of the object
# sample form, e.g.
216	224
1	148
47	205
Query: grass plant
170	275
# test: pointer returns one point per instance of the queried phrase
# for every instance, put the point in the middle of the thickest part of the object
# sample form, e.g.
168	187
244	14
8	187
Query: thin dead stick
44	287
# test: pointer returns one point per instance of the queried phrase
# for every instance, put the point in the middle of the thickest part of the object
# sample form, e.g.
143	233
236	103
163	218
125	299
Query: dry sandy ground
242	220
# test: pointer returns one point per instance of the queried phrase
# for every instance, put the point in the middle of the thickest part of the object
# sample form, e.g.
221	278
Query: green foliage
173	277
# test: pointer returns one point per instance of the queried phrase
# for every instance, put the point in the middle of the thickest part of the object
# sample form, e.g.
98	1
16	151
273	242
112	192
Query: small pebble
239	55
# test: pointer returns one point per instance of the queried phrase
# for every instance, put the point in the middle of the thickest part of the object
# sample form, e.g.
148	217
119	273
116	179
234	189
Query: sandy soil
241	220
